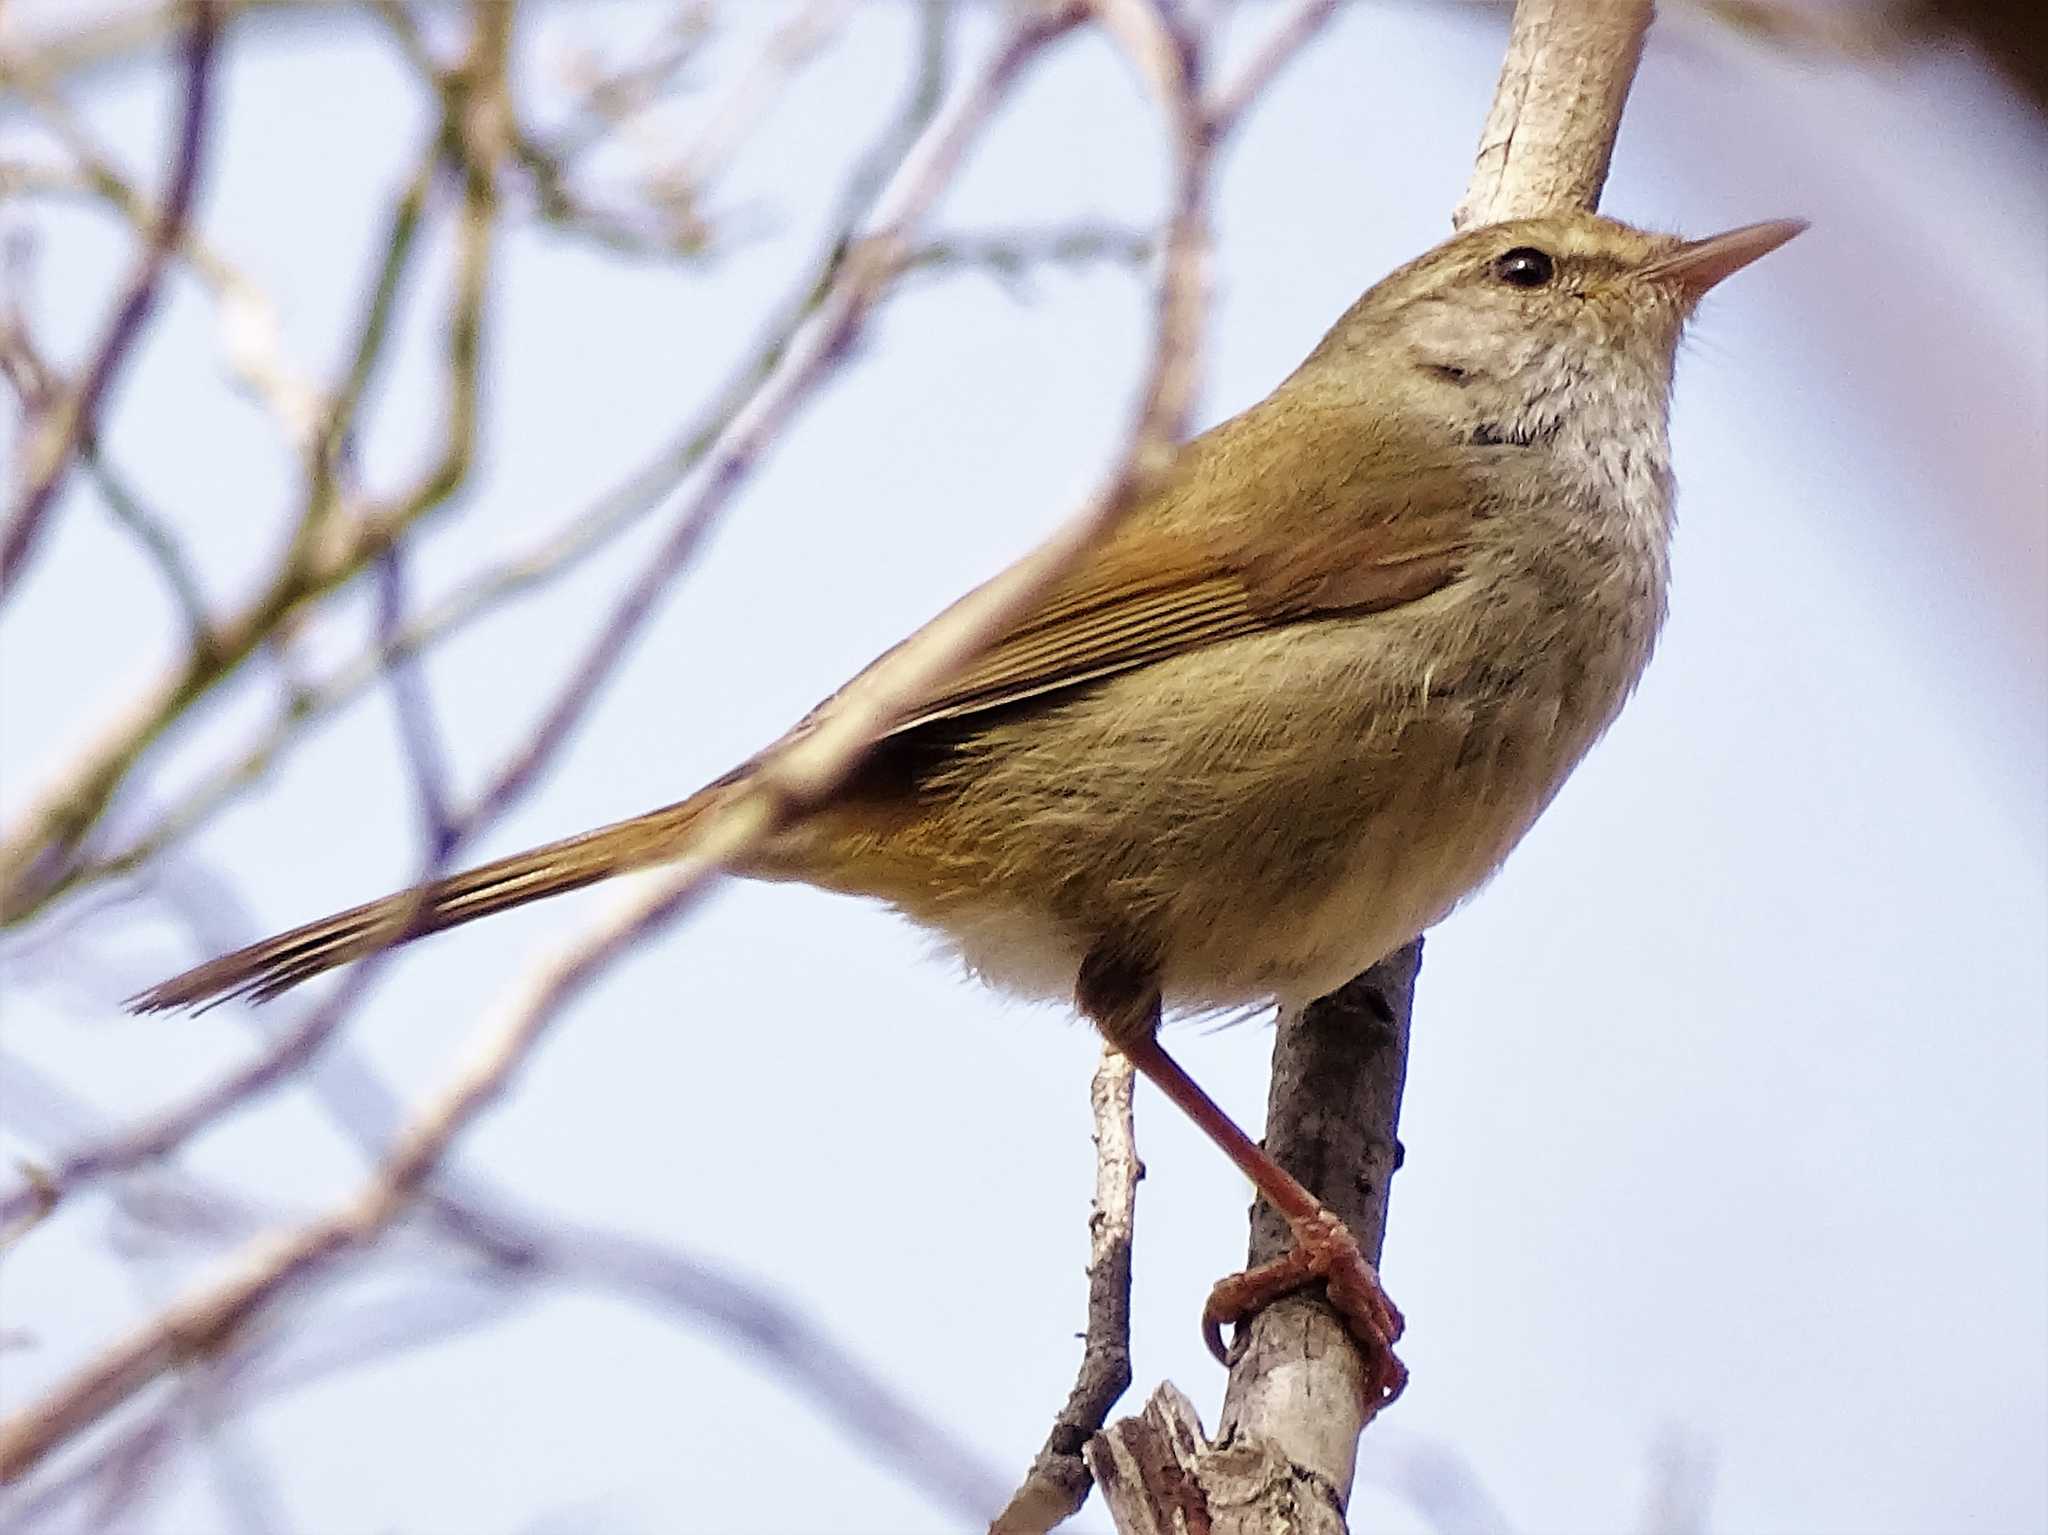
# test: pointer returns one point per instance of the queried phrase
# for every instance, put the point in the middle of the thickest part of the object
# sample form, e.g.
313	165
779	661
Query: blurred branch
1282	44
529	1251
1009	254
419	736
326	444
485	592
156	540
34	383
210	1321
607	101
753	94
121	38
1058	1481
51	447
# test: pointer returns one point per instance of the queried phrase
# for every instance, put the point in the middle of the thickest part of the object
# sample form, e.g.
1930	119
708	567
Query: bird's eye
1525	267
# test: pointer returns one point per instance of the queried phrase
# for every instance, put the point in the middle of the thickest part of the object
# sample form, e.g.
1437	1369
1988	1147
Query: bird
1301	702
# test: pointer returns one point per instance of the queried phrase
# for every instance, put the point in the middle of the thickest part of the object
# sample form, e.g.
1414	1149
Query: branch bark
1549	137
1058	1482
1286	1450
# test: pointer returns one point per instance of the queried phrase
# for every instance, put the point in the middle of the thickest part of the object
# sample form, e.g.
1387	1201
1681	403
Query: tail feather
263	970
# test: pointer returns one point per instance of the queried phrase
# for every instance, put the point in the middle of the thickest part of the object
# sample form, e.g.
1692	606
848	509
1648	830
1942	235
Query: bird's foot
1324	1249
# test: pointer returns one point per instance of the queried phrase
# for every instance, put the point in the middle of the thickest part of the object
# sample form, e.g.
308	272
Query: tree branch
1557	108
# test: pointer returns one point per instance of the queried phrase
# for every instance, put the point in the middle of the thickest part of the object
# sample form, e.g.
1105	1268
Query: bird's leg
1121	997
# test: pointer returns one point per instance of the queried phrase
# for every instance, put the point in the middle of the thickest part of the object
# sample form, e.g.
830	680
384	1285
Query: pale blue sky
1726	1111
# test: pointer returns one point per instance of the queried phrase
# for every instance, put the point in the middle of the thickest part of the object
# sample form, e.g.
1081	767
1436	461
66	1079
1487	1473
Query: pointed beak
1698	264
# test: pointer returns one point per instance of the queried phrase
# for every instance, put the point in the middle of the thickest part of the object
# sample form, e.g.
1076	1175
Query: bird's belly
1264	935
1405	868
1260	831
1312	883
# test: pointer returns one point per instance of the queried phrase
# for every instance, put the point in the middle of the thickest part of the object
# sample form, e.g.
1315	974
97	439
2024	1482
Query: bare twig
608	101
114	39
249	333
209	1321
525	1249
1058	1481
72	420
33	380
1286	40
753	95
816	758
425	758
1010	253
156	540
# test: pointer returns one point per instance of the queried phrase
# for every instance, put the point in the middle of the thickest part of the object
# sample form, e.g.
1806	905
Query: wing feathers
1110	618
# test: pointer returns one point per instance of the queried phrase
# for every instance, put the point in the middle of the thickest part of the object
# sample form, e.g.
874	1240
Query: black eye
1525	267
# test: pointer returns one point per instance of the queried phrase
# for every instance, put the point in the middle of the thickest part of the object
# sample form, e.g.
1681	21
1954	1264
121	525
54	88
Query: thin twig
1010	253
156	540
426	759
114	39
1286	40
249	333
210	1320
74	418
1058	1482
753	94
818	755
33	380
527	1249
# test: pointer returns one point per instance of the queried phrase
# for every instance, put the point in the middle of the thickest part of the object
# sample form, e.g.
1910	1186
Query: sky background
1727	1115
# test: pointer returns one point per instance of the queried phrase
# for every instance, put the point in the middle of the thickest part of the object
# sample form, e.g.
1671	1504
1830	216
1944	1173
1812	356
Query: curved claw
1324	1249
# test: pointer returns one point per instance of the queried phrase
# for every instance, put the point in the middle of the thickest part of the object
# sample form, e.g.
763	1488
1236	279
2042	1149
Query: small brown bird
1301	703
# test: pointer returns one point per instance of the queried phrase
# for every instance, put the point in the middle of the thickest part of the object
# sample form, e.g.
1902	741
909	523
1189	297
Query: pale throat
1606	426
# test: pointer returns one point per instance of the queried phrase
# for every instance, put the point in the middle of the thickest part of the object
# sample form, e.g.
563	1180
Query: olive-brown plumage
1304	700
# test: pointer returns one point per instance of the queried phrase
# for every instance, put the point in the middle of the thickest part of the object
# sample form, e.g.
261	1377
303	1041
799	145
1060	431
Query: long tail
263	970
